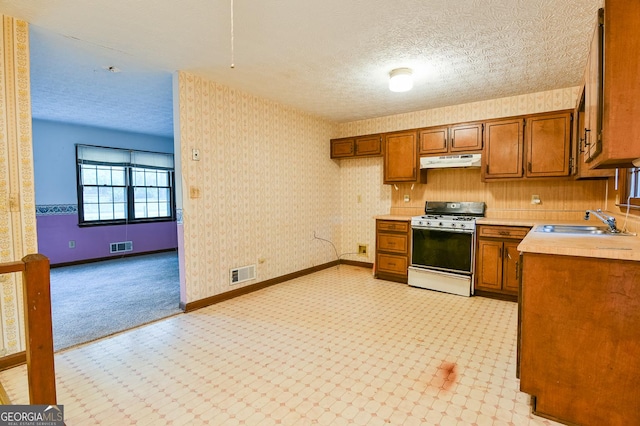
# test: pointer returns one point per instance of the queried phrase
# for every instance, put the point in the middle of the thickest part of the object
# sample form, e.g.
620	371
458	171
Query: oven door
449	251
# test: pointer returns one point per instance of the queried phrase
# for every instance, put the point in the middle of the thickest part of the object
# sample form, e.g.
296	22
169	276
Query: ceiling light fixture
400	80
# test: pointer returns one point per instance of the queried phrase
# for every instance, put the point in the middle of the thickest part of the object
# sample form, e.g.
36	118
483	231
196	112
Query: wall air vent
240	275
121	247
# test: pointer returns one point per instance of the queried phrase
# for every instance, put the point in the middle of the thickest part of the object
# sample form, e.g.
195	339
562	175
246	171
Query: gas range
443	247
449	216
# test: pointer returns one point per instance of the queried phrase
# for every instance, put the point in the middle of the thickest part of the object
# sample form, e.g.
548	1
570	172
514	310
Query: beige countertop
621	247
393	217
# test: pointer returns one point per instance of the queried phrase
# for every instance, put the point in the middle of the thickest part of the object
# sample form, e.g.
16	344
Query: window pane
150	177
119	211
105	195
152	194
91	212
106	211
163	178
140	194
138	176
164	210
163	194
88	175
119	195
118	176
152	209
141	210
104	175
90	194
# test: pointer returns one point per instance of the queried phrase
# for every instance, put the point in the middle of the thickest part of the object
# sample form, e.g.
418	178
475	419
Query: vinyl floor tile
334	347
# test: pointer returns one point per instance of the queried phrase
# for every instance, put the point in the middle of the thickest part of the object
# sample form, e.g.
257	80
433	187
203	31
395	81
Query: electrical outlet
535	199
195	154
72	244
407	198
362	249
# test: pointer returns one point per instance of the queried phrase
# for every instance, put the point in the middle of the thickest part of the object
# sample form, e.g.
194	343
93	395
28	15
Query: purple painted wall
55	232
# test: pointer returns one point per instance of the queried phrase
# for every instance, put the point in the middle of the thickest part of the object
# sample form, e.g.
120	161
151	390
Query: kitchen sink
576	229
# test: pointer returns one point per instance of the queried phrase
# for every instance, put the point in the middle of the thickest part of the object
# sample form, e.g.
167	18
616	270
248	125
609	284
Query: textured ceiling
330	58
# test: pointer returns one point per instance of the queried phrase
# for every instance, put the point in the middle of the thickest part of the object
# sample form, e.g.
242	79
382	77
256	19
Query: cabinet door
401	157
489	271
466	137
548	138
342	148
503	149
593	95
368	145
434	140
510	265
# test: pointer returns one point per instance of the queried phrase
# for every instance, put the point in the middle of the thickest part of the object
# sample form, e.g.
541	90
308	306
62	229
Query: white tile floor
336	347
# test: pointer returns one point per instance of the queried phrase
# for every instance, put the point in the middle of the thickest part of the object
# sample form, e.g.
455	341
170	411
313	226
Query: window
124	186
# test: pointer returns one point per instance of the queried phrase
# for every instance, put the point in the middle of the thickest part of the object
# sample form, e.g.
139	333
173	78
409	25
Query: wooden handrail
38	327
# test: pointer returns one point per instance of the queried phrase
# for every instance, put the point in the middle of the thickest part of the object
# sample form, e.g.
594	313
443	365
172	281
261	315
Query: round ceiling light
400	80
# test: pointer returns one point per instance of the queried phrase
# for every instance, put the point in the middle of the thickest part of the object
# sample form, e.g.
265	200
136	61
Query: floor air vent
121	247
239	275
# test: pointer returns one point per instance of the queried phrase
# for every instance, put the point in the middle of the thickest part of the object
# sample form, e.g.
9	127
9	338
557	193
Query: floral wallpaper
17	205
263	187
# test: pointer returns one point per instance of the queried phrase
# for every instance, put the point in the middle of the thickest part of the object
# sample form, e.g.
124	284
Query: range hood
449	161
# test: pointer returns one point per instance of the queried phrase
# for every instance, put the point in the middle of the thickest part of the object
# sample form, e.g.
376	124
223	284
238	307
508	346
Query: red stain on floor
448	371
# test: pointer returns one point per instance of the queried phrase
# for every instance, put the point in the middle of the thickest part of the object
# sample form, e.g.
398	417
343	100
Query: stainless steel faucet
607	220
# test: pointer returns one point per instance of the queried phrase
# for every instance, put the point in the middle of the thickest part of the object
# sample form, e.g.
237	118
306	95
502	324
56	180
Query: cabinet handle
529	166
586	138
391	243
487	169
507	252
391	264
517	271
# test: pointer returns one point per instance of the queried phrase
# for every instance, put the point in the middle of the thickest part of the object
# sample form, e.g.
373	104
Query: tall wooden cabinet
497	261
612	87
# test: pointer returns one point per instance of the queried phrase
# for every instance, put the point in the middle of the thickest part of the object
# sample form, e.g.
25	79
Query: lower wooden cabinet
393	242
497	261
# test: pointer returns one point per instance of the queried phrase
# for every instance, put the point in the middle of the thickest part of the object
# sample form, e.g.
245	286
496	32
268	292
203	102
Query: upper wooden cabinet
465	137
503	149
548	142
613	88
401	162
531	146
362	146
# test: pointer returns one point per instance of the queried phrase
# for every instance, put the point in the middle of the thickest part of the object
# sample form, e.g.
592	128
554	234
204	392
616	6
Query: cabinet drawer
515	232
398	243
392	264
393	225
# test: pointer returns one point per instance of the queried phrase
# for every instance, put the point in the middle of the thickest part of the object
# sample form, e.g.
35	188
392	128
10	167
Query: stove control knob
440	224
428	223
